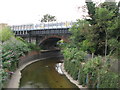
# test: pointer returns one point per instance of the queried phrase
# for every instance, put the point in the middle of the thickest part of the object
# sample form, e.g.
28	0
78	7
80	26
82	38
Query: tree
119	4
111	6
5	34
78	32
104	18
48	18
91	11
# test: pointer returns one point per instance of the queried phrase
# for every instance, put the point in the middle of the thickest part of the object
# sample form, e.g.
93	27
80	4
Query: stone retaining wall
38	55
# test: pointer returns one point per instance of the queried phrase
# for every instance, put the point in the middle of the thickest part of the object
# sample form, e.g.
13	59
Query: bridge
44	34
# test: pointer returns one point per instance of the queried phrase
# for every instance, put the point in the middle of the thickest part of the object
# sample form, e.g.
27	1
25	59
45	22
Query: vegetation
94	46
5	34
89	56
11	49
48	18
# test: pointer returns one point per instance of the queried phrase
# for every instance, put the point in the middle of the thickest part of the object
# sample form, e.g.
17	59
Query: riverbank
25	61
71	79
15	80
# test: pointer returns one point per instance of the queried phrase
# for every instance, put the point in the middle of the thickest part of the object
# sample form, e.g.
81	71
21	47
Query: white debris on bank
58	68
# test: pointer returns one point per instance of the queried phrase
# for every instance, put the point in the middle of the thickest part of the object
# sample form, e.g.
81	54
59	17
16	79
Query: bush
72	67
4	77
5	34
109	79
33	46
81	77
12	49
90	73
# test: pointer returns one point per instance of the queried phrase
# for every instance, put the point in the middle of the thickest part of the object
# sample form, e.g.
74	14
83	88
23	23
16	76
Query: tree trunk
92	55
106	45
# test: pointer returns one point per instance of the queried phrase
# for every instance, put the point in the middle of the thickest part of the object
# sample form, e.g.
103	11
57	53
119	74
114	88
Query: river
45	74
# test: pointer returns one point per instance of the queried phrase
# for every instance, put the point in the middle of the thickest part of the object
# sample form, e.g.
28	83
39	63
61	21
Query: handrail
48	25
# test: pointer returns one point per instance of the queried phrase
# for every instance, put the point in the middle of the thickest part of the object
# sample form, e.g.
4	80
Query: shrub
12	49
5	34
109	79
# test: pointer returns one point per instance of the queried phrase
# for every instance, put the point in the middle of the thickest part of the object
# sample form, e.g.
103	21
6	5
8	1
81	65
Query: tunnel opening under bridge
51	43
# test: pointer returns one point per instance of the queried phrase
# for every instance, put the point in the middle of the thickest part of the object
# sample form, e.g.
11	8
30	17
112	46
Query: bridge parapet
48	25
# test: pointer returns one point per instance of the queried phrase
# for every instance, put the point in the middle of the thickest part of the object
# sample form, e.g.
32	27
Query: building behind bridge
2	25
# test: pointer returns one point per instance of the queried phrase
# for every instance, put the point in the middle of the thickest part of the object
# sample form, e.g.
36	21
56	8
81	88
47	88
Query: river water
45	74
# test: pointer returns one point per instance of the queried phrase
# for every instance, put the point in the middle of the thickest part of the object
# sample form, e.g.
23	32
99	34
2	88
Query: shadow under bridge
50	43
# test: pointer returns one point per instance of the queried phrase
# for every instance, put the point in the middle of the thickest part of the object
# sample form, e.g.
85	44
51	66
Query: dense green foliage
5	34
94	46
11	49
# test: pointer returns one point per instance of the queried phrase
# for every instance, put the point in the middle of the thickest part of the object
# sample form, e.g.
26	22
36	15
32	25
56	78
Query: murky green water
43	74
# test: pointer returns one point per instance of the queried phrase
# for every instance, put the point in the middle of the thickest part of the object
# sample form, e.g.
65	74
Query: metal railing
48	25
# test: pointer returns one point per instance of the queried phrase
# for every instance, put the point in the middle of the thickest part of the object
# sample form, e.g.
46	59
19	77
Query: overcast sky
16	12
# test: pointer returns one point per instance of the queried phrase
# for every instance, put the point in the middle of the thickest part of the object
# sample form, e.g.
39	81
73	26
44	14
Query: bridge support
29	37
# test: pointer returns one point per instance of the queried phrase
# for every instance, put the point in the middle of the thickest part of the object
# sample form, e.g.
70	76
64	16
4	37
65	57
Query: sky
16	12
